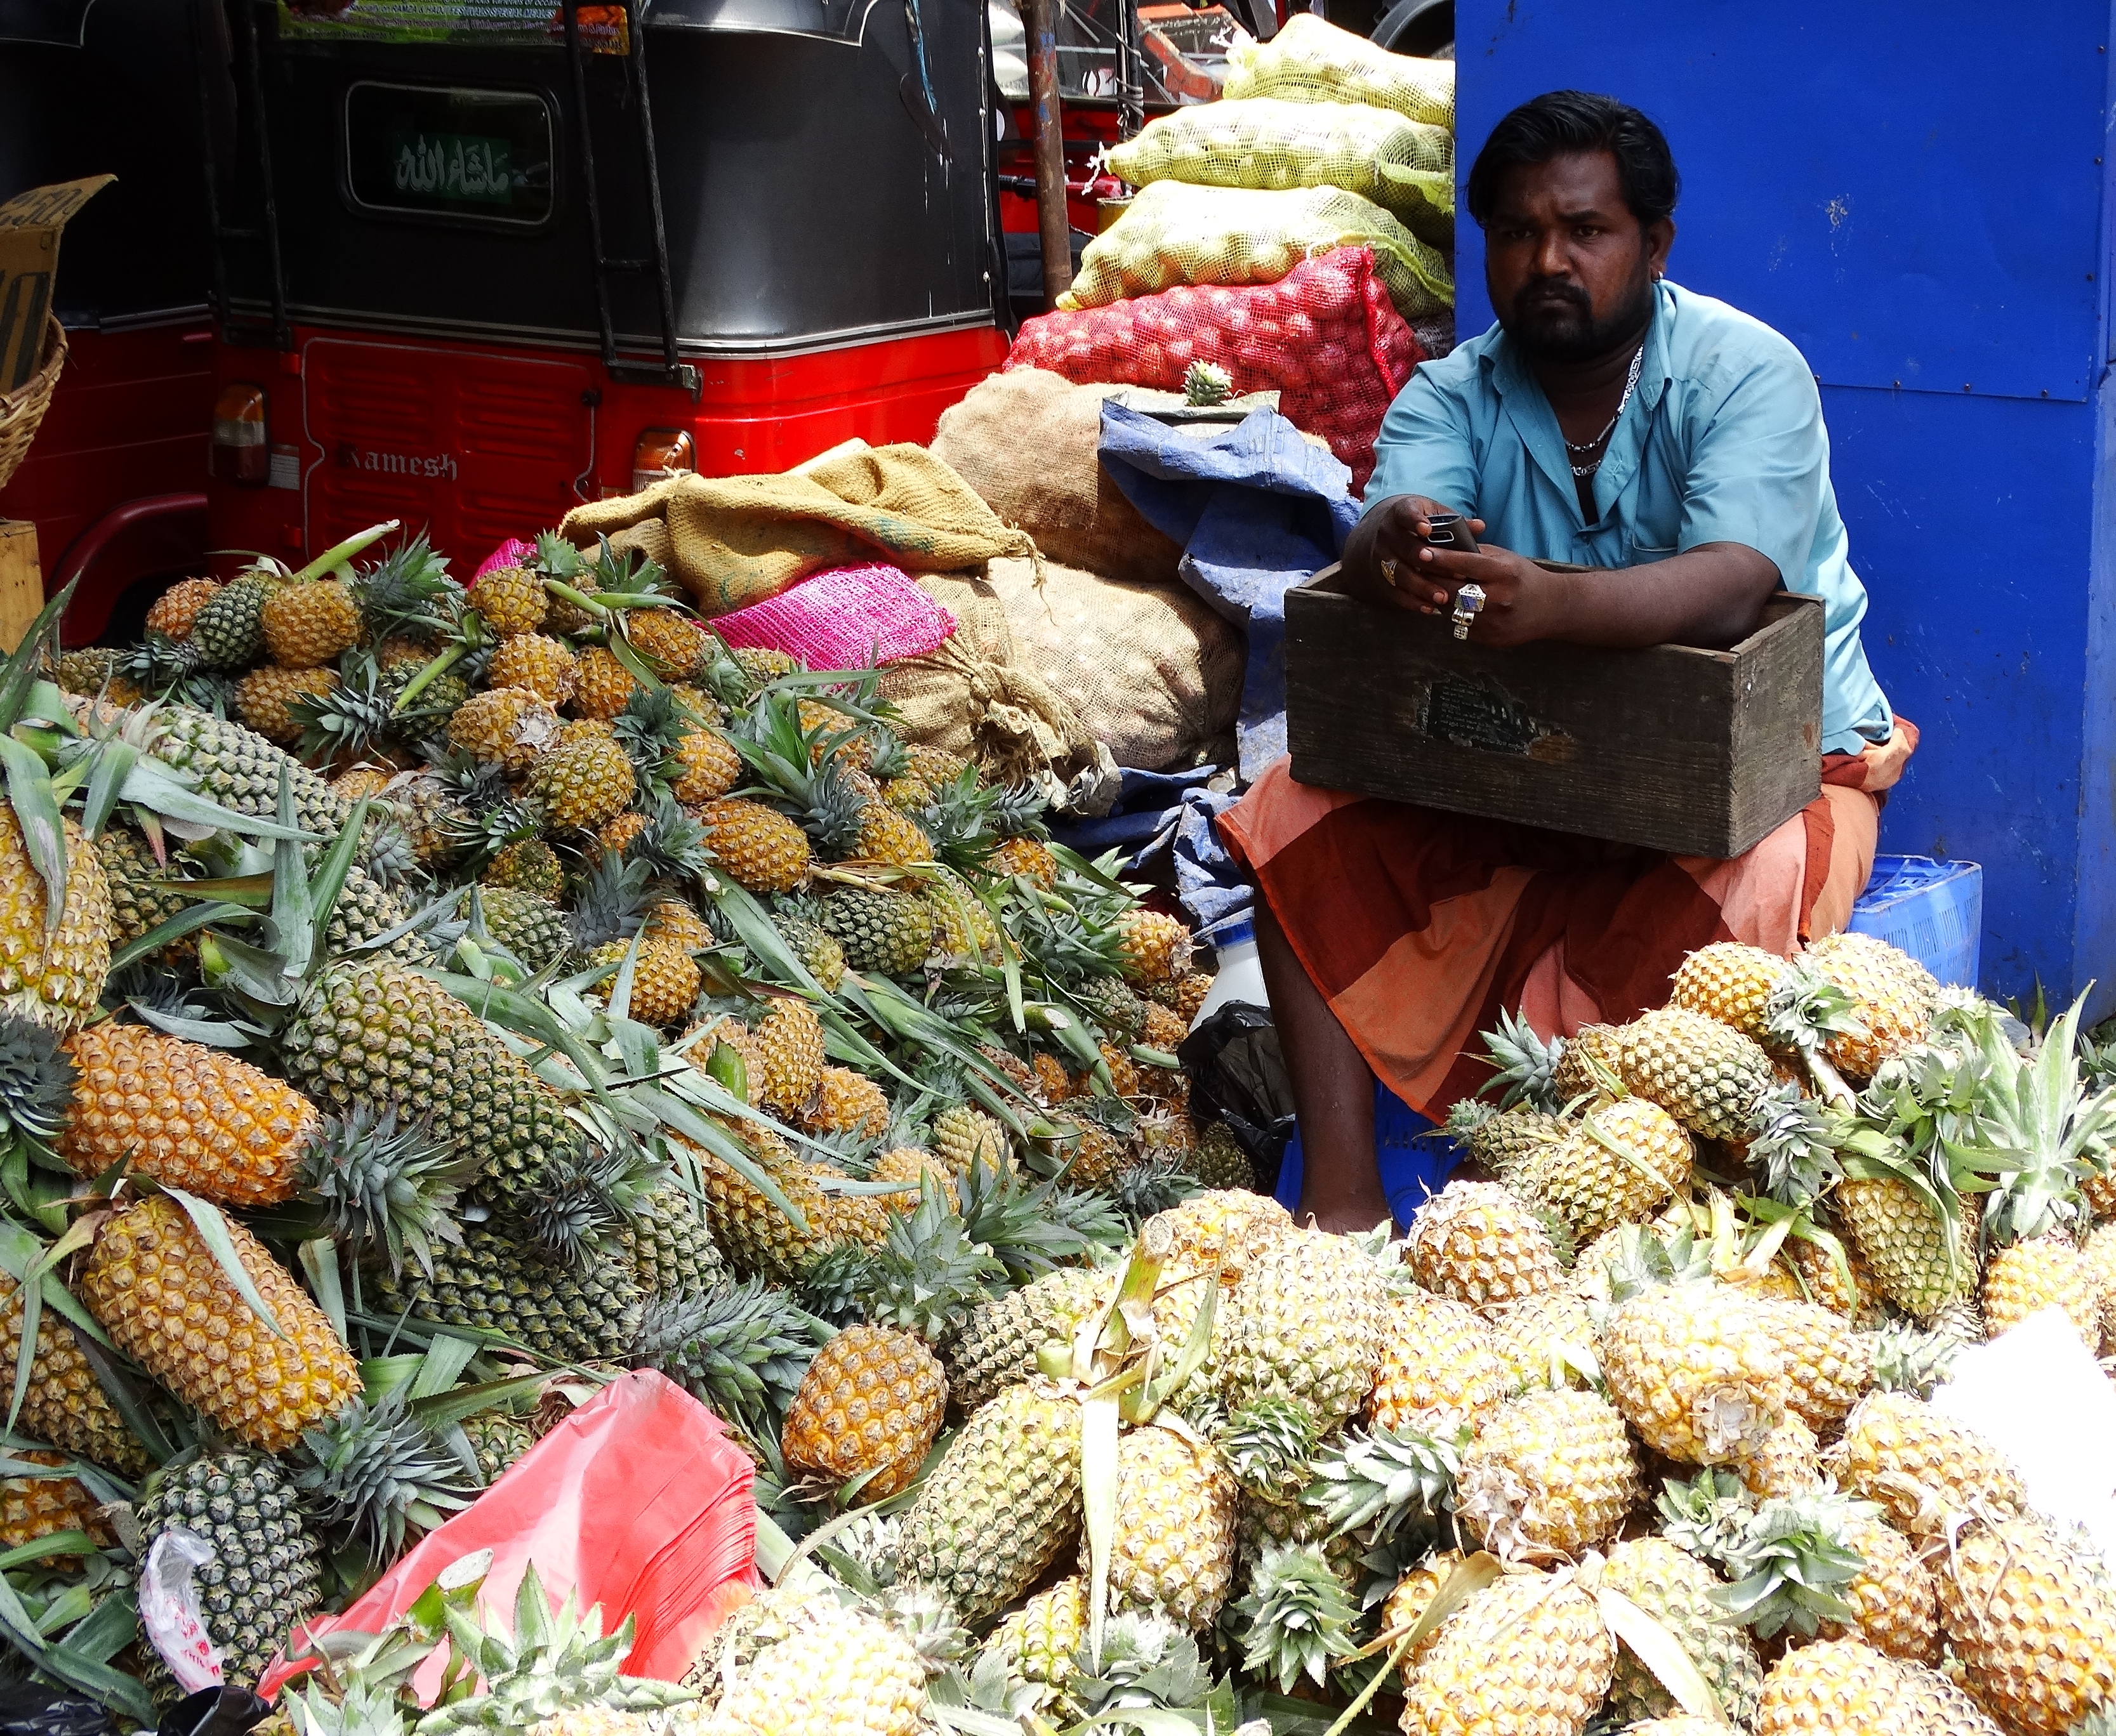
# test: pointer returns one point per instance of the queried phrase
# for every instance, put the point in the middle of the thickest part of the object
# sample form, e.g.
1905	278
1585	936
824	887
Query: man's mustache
1553	289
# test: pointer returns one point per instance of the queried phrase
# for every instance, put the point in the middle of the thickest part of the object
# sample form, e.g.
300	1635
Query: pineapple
176	609
65	1404
1038	1641
761	848
619	834
384	1037
1708	1077
1024	855
527	865
192	1117
1785	1464
34	1507
1173	1548
1921	1466
997	1346
708	767
2033	1620
664	979
1544	1341
1305	1322
670	644
887	932
672	1251
1226	1228
1155	949
495	1283
1893	999
1590	1060
496	1441
1221	1163
848	1102
585	779
157	1291
758	1237
1478	1243
530	927
1729	982
1696	1369
307	625
265	1570
545	667
1002	1504
887	836
1502	1141
605	686
1622	1160
840	1674
1551	1475
1405	1605
1895	1600
1915	1255
820	955
1528	1655
53	978
512	728
2048	1272
512	599
2100	1254
241	770
673	920
1675	1588
1830	1365
908	1163
870	1406
1933	1705
1833	1687
1438	1370
789	1046
266	698
229	629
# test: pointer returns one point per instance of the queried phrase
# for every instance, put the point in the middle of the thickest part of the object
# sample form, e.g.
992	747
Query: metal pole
1131	71
1055	227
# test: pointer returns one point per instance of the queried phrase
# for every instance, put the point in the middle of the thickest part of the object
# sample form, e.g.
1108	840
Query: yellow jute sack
1174	234
735	540
1406	167
1312	60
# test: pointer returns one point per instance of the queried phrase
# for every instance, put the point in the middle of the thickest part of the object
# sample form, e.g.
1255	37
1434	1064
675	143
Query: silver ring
1468	600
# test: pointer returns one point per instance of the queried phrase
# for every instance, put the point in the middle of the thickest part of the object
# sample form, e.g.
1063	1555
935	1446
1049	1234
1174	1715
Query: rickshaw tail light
240	451
661	453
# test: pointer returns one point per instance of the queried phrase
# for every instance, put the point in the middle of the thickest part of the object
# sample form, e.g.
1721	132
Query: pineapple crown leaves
37	1082
889	757
1805	1009
1206	383
612	897
1790	1563
1909	1358
2040	1133
1153	1183
1795	1144
740	1347
349	719
549	1663
1032	1226
376	1473
1146	1662
161	665
1523	1065
1296	1618
408	593
671	843
1268	1444
1705	1515
648	728
930	1275
1376	1482
385	1185
1644	1259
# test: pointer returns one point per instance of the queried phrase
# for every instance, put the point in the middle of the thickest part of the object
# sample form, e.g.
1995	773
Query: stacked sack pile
1296	234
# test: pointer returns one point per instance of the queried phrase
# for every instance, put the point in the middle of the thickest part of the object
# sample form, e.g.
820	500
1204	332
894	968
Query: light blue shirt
1723	442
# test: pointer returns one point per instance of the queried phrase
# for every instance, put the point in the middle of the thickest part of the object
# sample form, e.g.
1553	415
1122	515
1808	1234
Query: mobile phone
1450	531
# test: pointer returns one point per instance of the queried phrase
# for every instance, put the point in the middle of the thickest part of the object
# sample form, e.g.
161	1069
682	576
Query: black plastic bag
215	1711
31	1709
1238	1076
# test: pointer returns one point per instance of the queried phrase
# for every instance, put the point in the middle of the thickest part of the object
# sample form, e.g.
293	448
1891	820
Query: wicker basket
20	410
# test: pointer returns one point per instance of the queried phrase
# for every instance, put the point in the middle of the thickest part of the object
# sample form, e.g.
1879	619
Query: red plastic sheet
1325	337
637	1501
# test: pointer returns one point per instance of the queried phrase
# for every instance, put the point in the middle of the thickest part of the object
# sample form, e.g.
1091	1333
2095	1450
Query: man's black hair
1564	123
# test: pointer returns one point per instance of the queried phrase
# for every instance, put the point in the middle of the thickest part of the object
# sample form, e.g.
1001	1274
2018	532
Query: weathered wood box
1696	752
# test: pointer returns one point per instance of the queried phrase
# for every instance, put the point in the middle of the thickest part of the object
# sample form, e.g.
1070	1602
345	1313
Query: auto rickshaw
478	260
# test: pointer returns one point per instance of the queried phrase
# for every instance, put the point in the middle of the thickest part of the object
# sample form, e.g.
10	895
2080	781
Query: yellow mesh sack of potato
1310	61
1174	234
1405	166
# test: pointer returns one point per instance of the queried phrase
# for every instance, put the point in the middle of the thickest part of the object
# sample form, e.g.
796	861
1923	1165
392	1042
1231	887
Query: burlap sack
1026	441
1153	673
974	697
735	540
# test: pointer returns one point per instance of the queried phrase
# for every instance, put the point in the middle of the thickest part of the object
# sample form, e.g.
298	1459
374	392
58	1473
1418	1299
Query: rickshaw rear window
444	151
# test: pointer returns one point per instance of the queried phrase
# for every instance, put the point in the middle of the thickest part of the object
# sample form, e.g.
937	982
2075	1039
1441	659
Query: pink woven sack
844	617
512	553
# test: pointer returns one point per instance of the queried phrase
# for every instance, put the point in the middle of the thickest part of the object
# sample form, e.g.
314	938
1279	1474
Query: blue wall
1914	194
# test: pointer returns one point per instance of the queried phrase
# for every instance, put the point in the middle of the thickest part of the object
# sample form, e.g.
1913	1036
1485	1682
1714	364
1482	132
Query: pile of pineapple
421	1002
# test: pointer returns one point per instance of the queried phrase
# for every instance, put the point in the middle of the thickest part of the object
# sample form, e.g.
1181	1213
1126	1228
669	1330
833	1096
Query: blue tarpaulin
1257	508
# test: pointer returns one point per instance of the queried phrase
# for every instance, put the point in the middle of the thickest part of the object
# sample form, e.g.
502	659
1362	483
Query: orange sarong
1418	926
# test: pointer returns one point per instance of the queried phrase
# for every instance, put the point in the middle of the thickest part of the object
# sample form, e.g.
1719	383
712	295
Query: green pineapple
673	1252
499	1282
887	932
496	1441
997	1346
531	927
241	770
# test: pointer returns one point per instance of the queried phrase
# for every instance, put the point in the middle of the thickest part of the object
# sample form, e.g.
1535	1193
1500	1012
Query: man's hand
1380	561
1522	601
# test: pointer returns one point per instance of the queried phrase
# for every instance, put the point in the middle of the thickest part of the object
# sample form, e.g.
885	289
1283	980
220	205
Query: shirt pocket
1639	553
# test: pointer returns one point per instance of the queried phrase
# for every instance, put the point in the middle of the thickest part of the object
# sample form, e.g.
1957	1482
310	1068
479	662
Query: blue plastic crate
1414	1157
1932	910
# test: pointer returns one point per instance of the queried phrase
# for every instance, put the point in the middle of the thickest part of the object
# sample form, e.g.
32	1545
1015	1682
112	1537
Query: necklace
1630	385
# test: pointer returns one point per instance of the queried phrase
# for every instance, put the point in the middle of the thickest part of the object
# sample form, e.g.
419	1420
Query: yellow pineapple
1173	1547
603	687
1785	1464
711	767
1707	1075
1544	1341
508	726
761	848
1024	855
1528	1655
1730	982
512	599
1155	947
1590	1060
1478	1243
1549	1476
1620	1162
1405	1605
1696	1369
52	977
542	665
1921	1466
2049	1272
65	1404
2033	1620
1892	997
671	920
1039	1640
585	779
1224	1229
309	624
1438	1368
664	979
157	1291
887	836
908	1163
176	609
669	643
1894	1599
847	1102
870	1405
789	1047
1833	1687
192	1117
264	699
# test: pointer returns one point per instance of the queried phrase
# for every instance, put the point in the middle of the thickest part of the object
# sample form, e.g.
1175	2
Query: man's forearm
1710	595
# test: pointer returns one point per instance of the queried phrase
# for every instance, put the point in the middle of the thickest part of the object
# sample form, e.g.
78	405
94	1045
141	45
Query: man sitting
1675	448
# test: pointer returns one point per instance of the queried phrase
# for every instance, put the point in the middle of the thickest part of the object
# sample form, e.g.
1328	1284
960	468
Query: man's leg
1333	1091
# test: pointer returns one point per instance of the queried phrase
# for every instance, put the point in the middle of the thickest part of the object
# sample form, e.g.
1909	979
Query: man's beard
1565	329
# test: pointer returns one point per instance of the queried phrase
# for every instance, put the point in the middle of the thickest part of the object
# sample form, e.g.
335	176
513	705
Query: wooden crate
1696	752
21	580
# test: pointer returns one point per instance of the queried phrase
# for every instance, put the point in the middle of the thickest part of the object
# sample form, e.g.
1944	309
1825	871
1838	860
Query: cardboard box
30	224
1694	751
